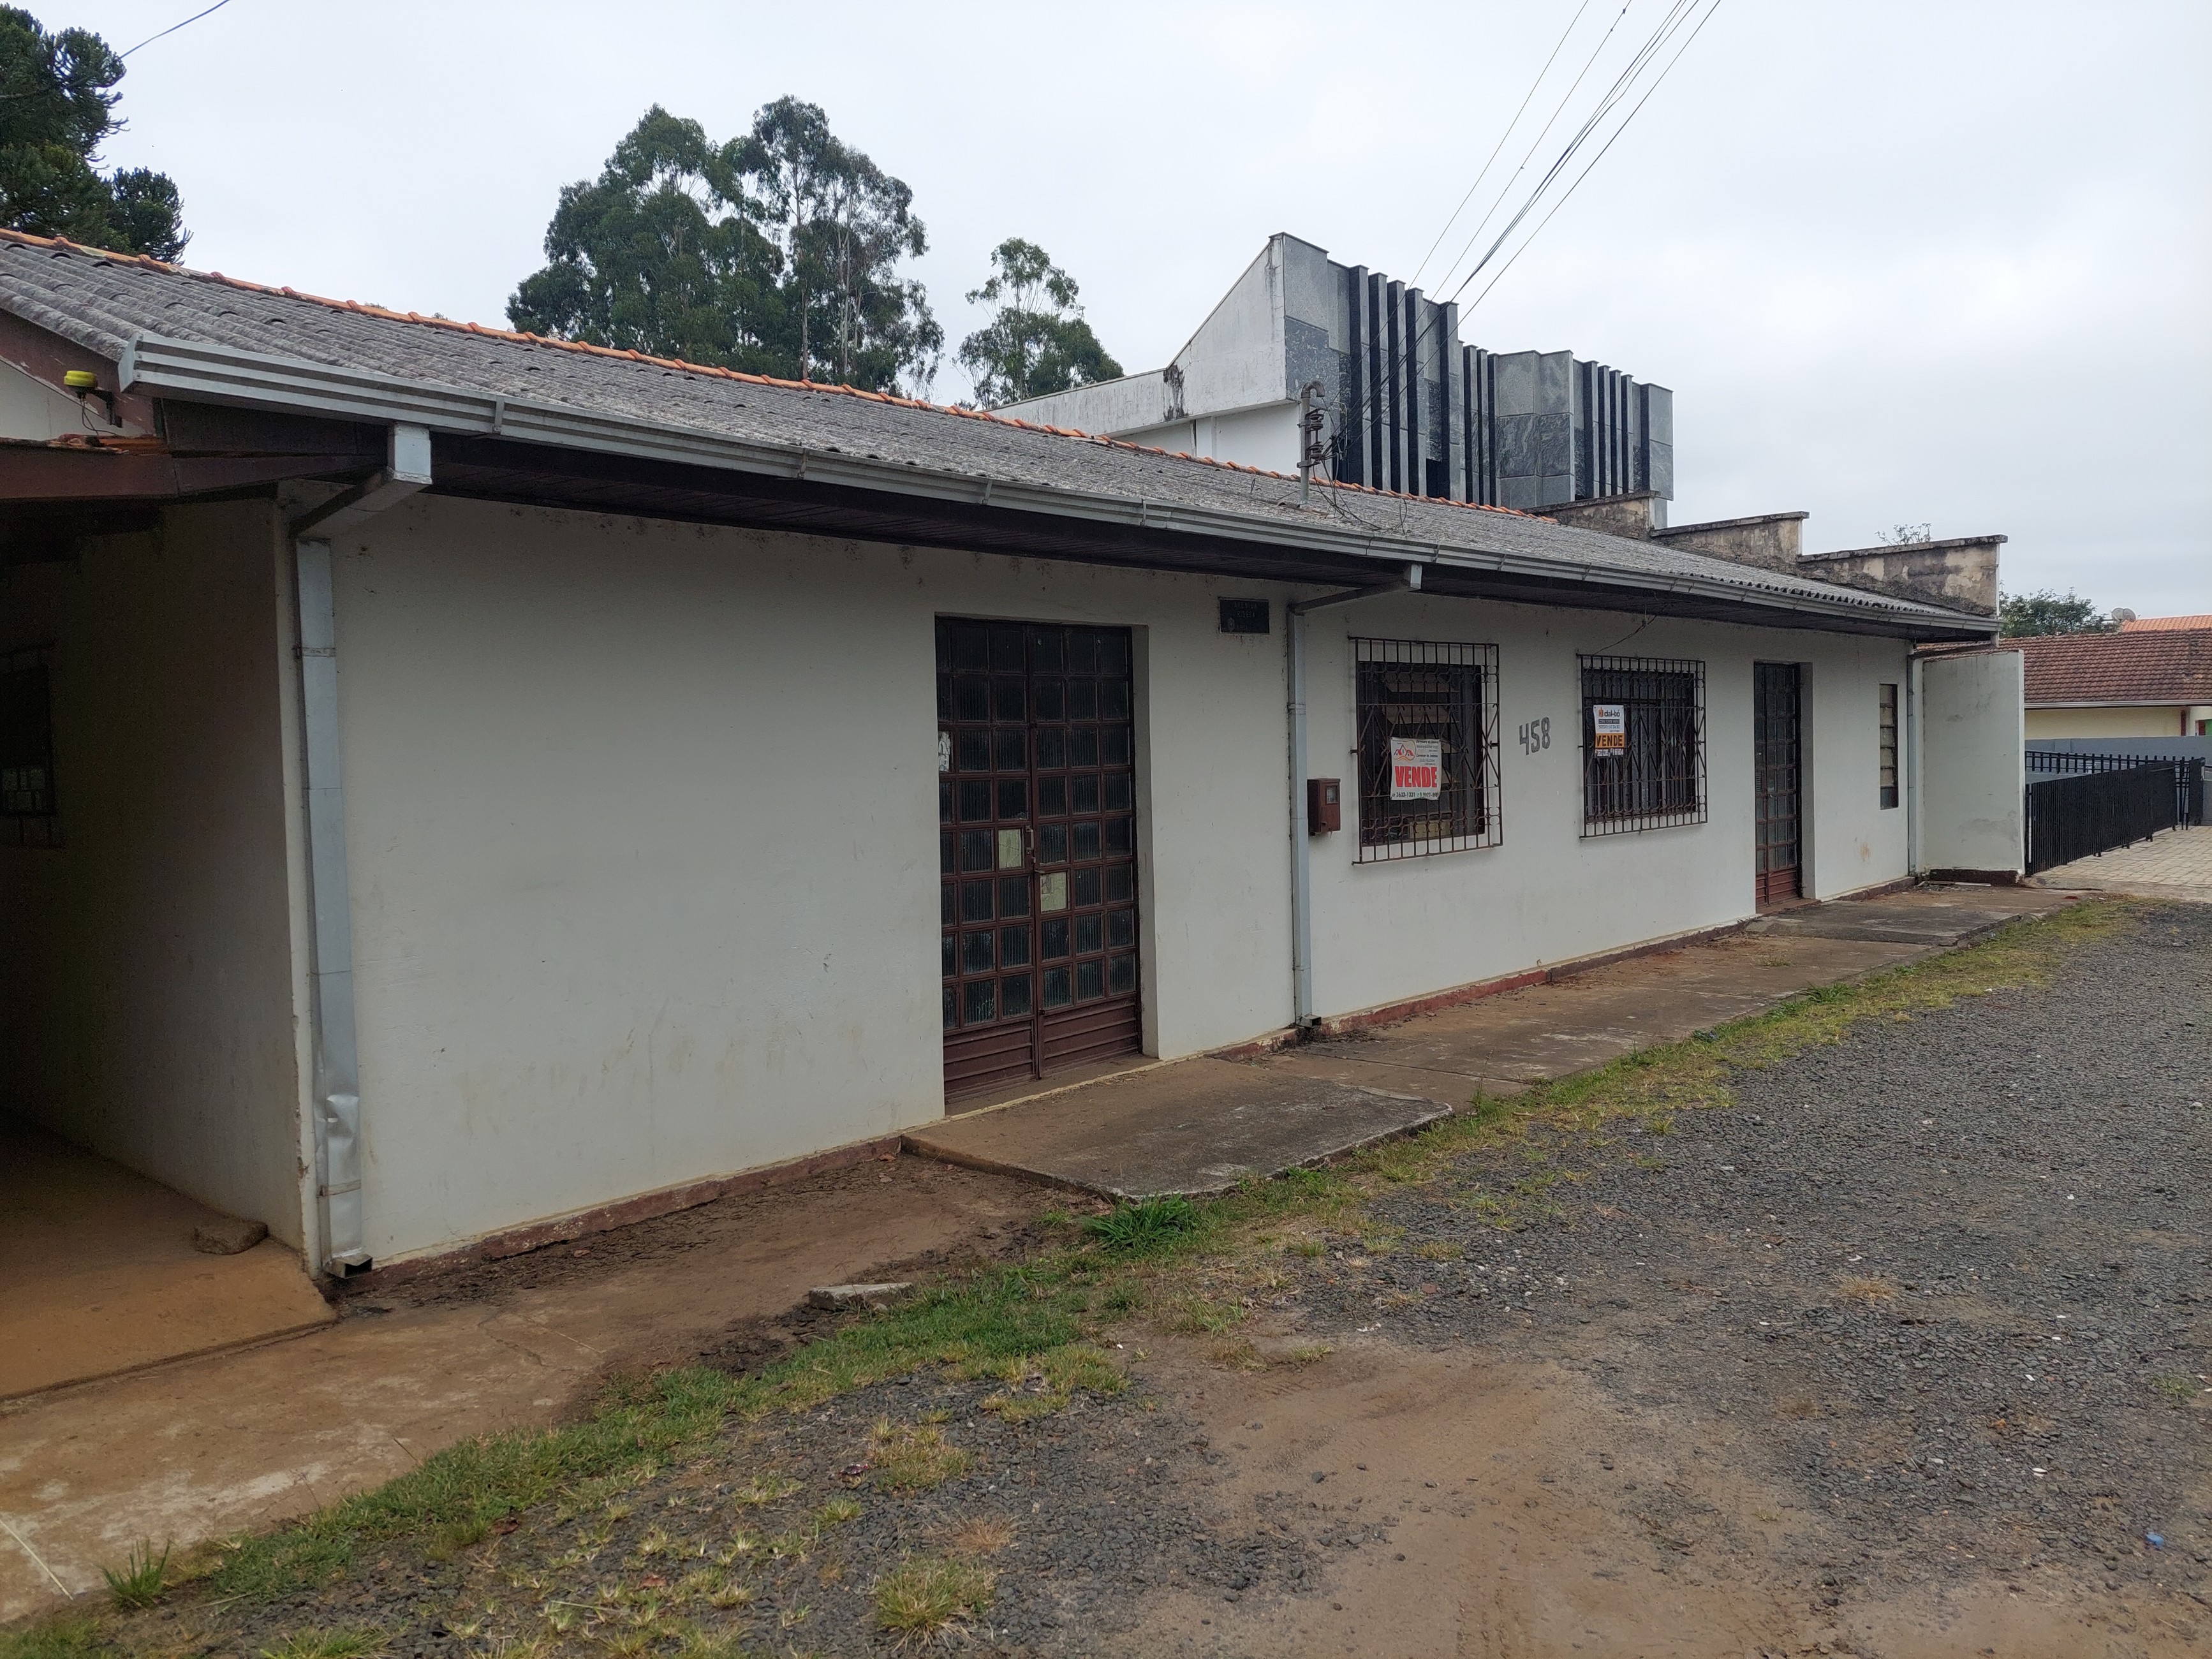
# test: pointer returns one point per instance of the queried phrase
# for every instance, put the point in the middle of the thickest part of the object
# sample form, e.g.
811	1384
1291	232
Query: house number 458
1536	736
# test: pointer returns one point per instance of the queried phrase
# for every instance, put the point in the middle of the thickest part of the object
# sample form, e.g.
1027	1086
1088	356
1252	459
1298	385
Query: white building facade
636	848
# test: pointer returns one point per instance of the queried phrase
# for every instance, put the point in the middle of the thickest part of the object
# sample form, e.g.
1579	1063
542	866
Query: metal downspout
1302	1001
1912	766
337	1096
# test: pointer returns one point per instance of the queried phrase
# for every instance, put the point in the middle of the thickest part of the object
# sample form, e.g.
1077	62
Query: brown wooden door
1036	826
1778	778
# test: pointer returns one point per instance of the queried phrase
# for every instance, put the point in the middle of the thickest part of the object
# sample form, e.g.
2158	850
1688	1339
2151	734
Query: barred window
1428	747
1888	730
1644	743
26	752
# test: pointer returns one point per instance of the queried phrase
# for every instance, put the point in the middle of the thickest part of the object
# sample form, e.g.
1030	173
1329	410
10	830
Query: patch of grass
1868	1288
914	1457
1238	1356
1307	1353
1150	1228
922	1597
139	1581
982	1534
450	1542
348	1642
769	1486
2175	1385
71	1635
1441	1250
837	1512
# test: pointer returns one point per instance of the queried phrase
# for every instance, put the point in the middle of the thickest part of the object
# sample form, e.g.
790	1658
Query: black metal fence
2107	801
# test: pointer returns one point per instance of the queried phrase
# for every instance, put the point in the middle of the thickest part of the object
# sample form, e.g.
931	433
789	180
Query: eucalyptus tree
1036	341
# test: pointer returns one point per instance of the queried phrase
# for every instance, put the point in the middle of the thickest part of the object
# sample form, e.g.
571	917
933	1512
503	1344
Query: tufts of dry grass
922	1597
914	1457
1869	1288
980	1536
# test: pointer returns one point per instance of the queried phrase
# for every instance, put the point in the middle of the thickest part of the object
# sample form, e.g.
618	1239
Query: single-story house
2143	681
456	780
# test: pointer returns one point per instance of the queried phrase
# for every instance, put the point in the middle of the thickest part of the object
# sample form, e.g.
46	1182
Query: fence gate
1776	778
2109	802
1037	857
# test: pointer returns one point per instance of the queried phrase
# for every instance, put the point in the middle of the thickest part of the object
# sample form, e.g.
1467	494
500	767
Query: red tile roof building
2157	677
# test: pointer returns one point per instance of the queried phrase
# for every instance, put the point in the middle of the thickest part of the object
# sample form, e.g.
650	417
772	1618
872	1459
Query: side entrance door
1037	853
1776	740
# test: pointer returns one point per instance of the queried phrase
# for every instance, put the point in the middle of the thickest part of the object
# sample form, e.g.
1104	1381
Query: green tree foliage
777	252
2047	611
56	107
1036	341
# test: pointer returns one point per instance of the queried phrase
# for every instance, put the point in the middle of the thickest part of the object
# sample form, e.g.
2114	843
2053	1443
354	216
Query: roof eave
197	371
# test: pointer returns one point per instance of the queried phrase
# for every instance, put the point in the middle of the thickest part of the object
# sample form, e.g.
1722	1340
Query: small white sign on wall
1417	766
1609	728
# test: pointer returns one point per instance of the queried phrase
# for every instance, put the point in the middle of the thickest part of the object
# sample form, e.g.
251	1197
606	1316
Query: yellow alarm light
81	379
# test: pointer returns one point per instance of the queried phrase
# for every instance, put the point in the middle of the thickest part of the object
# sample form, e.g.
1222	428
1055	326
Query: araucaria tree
1036	341
776	253
56	107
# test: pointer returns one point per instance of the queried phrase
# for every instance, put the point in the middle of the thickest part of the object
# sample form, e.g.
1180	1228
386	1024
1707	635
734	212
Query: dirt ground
1903	1353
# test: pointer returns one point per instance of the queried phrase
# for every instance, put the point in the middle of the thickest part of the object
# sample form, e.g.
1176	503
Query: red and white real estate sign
1417	767
1609	726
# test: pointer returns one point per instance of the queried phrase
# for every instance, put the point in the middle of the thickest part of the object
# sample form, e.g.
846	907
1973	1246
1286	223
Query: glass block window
1644	743
1888	716
27	814
1427	717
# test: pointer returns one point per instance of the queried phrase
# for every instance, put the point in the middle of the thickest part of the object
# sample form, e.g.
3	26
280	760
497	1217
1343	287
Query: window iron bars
1427	688
1887	706
1657	780
28	813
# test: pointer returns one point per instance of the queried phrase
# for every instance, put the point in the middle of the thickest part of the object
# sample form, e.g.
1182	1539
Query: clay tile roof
2155	624
2153	665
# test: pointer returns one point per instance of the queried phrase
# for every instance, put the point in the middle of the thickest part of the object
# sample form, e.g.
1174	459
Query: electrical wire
1500	145
174	27
1594	159
1543	132
1676	15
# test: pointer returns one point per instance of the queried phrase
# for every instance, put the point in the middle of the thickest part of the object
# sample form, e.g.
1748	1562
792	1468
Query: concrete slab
1198	1126
1945	917
99	1274
1503	1043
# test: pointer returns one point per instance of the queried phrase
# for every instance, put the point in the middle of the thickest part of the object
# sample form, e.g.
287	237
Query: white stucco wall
32	410
146	984
642	829
1972	762
641	823
1388	932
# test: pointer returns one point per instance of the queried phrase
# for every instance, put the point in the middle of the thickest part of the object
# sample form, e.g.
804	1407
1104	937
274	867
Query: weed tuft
910	1458
922	1597
1868	1288
2175	1385
1150	1228
983	1534
349	1642
141	1579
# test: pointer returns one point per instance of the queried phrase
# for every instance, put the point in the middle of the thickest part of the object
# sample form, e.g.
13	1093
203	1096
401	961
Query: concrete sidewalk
2174	864
1201	1124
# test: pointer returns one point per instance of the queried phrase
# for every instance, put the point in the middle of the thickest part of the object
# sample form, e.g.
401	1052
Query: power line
1596	159
1675	16
1506	189
1500	145
174	27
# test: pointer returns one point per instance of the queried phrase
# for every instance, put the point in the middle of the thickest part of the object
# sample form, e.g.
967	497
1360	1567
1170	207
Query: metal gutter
222	374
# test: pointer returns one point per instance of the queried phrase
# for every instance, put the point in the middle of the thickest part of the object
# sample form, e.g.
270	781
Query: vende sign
1610	727
1417	766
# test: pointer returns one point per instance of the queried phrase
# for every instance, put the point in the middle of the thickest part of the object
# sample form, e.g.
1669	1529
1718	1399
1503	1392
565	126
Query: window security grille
27	751
1426	691
1657	776
1889	716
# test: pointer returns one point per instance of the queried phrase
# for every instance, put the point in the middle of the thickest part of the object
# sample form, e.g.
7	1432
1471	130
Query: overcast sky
1902	263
